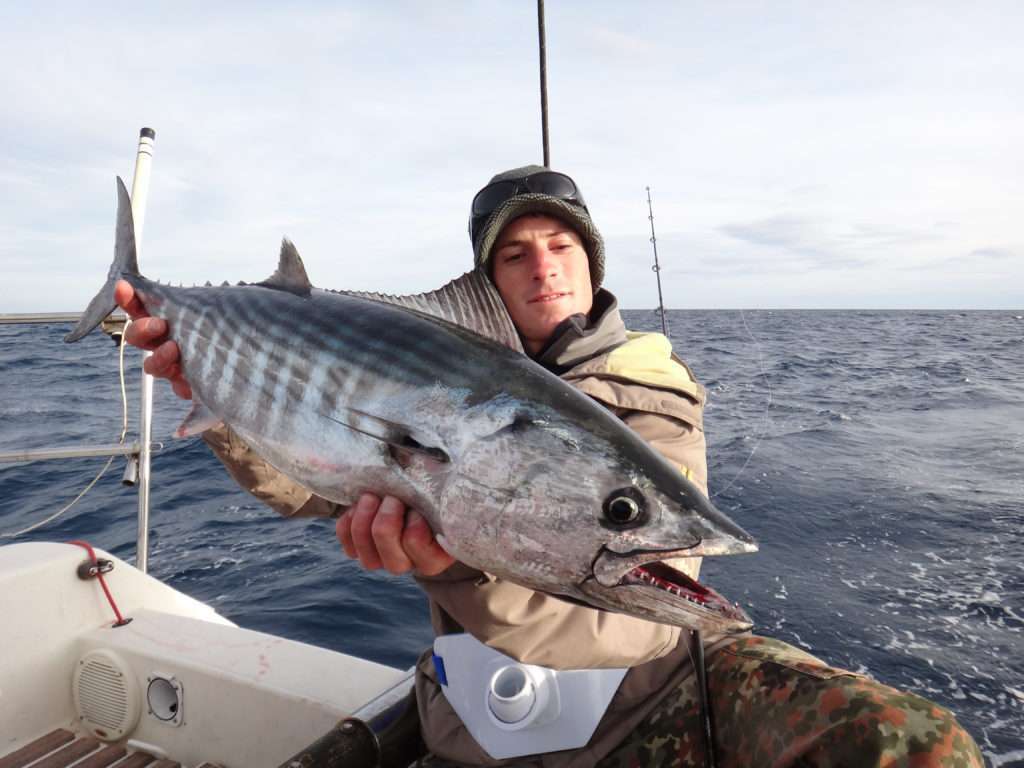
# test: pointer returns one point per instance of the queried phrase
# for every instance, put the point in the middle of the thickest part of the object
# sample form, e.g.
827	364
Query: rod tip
147	133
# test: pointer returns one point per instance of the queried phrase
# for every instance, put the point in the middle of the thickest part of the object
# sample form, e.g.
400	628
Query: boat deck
63	749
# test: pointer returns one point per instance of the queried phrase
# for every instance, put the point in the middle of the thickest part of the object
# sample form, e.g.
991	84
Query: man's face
543	275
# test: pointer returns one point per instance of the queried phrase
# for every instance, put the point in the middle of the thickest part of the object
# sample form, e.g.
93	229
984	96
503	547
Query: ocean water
878	457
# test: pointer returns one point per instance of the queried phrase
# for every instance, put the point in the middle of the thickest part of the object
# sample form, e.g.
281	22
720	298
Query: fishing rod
543	83
657	267
696	644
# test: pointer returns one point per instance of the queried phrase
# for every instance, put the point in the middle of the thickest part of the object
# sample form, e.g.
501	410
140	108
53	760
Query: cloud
796	243
992	253
622	45
999	261
809	243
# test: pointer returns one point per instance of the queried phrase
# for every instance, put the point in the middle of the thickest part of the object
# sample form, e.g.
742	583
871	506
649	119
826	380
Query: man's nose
543	261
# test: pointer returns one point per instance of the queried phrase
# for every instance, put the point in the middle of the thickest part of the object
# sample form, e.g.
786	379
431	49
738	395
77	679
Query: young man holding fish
771	704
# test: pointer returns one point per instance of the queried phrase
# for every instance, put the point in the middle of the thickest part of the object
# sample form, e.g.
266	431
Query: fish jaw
644	585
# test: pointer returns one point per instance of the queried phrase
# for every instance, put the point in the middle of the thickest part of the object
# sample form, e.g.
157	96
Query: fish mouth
673	596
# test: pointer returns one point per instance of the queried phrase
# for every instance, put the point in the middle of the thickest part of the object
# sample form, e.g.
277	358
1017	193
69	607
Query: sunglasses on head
550	183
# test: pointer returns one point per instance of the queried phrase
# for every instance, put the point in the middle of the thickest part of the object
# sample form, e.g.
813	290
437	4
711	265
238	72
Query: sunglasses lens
493	195
553	184
550	183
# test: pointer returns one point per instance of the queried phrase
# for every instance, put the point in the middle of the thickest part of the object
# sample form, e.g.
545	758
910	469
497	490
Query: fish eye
624	507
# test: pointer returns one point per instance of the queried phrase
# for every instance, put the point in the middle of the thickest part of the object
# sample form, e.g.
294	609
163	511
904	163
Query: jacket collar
581	337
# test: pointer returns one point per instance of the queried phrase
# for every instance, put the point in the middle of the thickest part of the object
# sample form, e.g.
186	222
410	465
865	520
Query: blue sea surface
878	457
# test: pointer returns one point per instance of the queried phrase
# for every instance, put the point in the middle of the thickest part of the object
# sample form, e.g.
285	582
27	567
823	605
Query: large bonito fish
429	398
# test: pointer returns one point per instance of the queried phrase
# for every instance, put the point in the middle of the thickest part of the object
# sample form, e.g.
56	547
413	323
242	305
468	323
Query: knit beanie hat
523	203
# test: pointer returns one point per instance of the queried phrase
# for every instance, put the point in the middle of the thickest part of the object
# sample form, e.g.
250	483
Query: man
771	704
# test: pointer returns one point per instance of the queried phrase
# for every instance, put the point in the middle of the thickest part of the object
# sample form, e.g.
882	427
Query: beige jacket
656	395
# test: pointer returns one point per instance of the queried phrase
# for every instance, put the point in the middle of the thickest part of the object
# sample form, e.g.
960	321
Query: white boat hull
178	681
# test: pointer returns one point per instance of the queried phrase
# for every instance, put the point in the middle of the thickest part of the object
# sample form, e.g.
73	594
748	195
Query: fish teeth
642	575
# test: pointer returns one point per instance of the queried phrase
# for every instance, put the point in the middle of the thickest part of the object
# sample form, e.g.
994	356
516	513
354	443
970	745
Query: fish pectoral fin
402	441
291	274
199	419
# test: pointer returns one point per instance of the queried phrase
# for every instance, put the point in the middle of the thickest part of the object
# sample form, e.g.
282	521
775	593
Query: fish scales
378	338
410	352
399	346
232	363
518	473
354	335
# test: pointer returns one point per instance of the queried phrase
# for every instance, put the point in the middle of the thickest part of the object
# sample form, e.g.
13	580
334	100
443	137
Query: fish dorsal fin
290	275
470	301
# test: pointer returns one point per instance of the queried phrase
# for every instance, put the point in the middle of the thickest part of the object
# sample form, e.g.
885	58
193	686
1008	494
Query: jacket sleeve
283	495
536	628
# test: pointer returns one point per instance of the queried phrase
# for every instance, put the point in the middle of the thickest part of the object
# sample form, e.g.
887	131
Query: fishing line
767	408
124	433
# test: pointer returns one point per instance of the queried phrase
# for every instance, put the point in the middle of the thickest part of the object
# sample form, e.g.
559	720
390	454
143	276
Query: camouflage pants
774	705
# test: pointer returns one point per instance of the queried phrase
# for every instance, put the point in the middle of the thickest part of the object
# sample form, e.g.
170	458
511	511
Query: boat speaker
106	695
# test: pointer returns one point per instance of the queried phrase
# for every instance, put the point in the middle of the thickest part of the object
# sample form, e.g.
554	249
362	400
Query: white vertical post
140	190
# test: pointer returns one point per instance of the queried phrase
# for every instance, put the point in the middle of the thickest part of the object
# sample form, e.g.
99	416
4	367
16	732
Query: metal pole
543	83
657	267
140	190
71	452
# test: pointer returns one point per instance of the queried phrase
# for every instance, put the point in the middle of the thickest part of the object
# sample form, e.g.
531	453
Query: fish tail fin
125	263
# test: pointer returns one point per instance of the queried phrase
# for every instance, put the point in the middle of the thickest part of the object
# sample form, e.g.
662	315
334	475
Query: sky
799	155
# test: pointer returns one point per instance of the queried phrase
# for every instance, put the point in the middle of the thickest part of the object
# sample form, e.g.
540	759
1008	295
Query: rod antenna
140	191
656	268
543	83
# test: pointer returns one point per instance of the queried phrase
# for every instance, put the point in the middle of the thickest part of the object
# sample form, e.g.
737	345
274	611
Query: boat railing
114	327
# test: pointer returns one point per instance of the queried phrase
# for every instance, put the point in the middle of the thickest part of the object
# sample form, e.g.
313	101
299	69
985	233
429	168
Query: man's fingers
387	535
419	544
362	514
181	387
146	332
125	297
381	533
343	528
164	361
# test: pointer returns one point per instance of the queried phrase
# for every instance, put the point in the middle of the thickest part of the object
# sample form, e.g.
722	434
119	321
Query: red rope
110	598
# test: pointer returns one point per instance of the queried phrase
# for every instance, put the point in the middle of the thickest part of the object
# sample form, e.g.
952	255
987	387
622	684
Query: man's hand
381	533
148	332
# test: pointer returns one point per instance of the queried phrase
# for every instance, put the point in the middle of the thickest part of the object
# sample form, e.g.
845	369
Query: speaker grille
106	695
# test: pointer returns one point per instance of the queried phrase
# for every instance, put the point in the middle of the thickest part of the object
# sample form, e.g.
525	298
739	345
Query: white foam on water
782	594
1007	758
